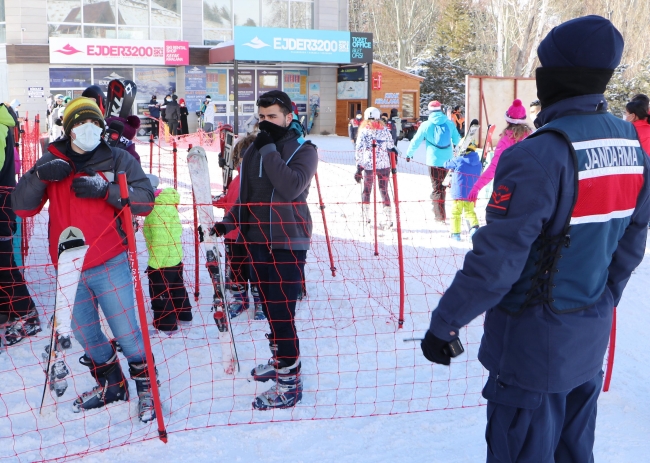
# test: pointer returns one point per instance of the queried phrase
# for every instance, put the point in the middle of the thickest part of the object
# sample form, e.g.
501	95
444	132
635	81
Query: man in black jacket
16	305
173	115
275	222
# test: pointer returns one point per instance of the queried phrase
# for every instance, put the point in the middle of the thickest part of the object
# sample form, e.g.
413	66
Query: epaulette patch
501	197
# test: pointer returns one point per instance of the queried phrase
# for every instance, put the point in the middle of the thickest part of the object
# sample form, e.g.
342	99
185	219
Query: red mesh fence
355	361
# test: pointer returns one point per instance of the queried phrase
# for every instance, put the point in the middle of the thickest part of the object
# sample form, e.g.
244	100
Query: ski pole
151	152
327	235
196	250
127	223
175	151
413	339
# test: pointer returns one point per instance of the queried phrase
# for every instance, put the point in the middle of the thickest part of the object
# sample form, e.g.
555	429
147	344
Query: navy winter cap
587	42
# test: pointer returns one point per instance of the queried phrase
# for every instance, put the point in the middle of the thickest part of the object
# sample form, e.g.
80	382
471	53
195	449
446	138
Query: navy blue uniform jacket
538	349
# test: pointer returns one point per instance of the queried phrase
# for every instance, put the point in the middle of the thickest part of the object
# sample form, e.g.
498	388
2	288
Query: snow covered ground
355	362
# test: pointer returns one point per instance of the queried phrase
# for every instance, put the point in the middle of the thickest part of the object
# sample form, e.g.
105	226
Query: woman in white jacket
373	129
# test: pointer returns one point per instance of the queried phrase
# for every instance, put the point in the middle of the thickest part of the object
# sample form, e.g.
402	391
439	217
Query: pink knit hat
516	114
435	106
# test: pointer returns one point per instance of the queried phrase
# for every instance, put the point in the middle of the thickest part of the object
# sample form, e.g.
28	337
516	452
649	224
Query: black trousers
368	181
279	273
439	193
238	263
173	127
169	300
15	300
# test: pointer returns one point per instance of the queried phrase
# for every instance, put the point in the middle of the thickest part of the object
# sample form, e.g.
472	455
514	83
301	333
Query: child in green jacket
162	232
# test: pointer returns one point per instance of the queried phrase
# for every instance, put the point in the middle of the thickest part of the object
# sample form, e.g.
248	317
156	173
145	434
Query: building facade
41	43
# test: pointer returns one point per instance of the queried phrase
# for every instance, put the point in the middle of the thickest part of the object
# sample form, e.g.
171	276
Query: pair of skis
197	163
120	98
72	252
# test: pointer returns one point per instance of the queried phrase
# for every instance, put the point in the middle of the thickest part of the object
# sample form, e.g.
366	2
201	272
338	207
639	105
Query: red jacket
228	201
643	131
98	219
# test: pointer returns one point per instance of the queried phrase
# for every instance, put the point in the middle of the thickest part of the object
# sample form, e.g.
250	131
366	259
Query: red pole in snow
374	191
175	151
610	356
400	253
151	152
127	223
327	234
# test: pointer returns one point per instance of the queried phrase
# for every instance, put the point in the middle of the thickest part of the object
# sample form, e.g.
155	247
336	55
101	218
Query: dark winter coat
7	173
184	127
96	218
540	349
172	111
154	109
290	173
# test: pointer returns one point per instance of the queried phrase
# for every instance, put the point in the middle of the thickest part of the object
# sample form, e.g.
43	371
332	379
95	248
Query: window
220	16
408	105
3	24
124	19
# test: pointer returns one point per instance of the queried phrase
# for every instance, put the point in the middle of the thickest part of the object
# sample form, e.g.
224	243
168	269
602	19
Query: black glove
90	186
358	174
53	171
219	229
262	139
439	351
275	131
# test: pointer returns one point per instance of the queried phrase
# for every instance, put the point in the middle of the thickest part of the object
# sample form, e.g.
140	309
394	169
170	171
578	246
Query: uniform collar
577	104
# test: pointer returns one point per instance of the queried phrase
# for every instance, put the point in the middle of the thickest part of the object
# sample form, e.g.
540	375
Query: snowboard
229	165
197	163
120	98
130	91
72	251
313	112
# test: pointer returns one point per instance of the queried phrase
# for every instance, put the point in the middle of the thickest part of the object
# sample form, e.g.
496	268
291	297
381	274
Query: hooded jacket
98	219
378	132
162	231
7	172
466	171
290	172
436	157
643	131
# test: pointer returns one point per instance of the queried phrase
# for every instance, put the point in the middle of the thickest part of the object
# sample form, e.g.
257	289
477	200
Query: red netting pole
174	150
374	191
151	152
610	356
127	223
327	234
400	253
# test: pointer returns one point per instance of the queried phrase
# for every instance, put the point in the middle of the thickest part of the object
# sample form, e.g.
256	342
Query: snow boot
366	213
21	327
259	310
285	393
473	230
140	374
239	301
274	368
111	385
455	236
388	218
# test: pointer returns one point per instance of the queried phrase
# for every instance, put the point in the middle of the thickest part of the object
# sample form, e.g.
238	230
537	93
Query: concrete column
30	15
193	21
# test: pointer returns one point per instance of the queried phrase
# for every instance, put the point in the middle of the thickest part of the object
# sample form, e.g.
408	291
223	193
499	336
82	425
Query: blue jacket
467	170
538	349
435	156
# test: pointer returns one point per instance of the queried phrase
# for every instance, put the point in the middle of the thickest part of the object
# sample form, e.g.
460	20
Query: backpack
441	136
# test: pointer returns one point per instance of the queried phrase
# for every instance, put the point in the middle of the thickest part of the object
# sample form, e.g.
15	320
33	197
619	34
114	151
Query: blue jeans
110	285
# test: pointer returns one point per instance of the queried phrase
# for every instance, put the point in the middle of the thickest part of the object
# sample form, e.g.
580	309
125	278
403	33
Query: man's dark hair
535	103
277	97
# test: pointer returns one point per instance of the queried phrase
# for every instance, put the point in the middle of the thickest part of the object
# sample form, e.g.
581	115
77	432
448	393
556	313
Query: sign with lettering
73	50
361	50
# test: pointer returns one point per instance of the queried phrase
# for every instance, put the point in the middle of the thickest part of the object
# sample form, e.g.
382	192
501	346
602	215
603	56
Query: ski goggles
266	101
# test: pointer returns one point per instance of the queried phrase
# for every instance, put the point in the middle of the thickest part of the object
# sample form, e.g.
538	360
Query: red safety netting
361	285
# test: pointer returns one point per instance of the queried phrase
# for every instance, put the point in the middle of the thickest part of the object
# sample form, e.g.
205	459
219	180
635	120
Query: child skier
516	131
237	261
162	232
374	130
466	171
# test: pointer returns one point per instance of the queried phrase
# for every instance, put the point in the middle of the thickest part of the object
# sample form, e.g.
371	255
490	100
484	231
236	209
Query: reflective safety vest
569	271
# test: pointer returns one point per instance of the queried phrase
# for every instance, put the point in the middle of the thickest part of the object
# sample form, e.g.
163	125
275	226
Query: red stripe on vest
603	195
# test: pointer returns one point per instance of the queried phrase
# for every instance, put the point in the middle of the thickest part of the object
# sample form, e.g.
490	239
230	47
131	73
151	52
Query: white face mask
87	136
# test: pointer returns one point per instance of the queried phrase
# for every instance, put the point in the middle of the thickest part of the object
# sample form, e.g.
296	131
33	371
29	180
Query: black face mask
275	131
557	84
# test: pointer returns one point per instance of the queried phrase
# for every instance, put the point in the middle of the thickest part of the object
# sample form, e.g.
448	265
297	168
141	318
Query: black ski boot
21	327
111	385
259	310
140	374
239	301
274	368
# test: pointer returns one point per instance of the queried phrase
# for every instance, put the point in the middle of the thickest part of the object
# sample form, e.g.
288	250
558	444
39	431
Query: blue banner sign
293	45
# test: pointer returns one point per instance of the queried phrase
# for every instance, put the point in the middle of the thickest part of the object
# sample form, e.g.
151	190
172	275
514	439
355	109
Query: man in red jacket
77	175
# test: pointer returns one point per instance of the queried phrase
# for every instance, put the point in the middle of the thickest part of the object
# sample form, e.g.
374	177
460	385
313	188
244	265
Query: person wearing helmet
440	135
373	130
56	115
